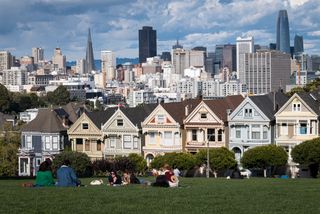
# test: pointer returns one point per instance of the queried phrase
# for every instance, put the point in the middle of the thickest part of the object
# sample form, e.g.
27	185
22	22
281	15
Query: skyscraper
283	36
298	44
244	45
59	61
108	64
37	54
89	55
5	60
147	43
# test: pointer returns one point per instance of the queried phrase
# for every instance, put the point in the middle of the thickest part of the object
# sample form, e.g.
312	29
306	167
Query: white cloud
314	33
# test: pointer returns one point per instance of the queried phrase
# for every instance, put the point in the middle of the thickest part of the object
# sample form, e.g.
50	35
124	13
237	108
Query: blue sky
115	23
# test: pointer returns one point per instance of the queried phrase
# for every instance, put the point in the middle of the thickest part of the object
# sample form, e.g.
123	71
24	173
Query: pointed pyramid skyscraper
89	55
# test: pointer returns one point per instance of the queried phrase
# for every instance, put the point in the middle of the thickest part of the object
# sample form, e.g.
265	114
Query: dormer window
85	126
160	119
119	122
248	112
203	115
296	107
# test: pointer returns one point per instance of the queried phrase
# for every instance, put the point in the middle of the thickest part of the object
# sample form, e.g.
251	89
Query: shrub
182	161
264	156
220	158
308	153
101	167
80	162
139	163
8	159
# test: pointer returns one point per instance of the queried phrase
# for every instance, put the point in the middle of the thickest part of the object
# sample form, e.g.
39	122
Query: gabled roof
46	121
312	99
220	106
74	110
101	117
270	103
138	114
177	109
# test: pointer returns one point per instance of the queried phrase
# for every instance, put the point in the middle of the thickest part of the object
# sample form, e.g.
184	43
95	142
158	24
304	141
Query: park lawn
197	195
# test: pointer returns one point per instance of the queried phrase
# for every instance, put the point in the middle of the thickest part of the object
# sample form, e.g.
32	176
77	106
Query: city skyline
115	24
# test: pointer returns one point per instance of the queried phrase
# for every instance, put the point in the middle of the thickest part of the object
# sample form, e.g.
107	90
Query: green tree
308	153
8	159
295	90
60	96
220	158
99	106
80	162
264	157
139	163
4	99
182	161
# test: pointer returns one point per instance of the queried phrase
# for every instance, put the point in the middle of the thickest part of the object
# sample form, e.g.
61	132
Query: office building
147	43
298	44
244	45
182	59
81	66
5	60
108	64
283	35
266	71
59	61
229	57
37	54
14	76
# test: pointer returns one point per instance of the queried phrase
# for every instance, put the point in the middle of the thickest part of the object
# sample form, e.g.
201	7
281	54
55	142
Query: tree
182	161
220	158
308	153
8	159
80	162
139	163
4	99
60	96
264	157
295	90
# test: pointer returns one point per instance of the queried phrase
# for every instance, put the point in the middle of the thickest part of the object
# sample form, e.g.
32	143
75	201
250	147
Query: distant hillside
97	62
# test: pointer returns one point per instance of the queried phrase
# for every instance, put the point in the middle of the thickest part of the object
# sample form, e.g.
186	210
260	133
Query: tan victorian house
86	136
297	121
163	128
122	132
206	125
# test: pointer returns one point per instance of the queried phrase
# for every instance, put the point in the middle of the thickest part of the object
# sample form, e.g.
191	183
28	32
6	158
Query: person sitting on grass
44	176
114	179
129	178
171	178
66	176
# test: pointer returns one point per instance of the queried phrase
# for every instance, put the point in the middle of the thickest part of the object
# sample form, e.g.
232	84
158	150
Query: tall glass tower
147	43
283	36
298	44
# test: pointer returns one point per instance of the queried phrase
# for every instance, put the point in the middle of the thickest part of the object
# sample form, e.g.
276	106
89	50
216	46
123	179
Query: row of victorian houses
236	122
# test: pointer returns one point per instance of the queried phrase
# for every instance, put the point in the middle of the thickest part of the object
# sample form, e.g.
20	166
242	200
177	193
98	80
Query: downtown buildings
147	43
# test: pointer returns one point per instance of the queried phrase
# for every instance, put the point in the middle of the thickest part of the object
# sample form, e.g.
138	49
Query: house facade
163	129
122	132
297	121
252	123
42	138
206	126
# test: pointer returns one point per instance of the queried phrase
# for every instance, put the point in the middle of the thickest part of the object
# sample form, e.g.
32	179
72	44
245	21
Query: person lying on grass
168	179
114	179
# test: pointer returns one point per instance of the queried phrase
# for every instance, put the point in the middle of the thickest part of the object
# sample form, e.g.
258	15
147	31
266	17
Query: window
87	145
238	132
296	107
55	142
85	126
211	135
265	132
127	142
255	135
112	142
160	119
284	129
152	136
194	135
29	142
220	135
168	138
248	112
38	161
119	122
203	115
47	143
303	127
135	143
98	145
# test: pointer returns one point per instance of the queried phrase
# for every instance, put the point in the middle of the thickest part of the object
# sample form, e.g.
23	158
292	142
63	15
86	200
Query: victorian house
252	123
206	125
163	128
122	132
42	138
297	121
86	135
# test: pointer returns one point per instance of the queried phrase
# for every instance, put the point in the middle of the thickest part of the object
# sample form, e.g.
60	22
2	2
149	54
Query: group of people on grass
66	177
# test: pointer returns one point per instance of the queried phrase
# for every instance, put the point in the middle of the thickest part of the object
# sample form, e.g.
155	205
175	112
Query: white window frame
127	142
161	118
47	143
118	120
152	138
113	142
167	137
284	129
38	161
135	142
29	142
296	107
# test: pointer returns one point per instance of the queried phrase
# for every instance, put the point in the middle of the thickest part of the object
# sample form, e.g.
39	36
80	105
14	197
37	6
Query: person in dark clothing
114	179
161	181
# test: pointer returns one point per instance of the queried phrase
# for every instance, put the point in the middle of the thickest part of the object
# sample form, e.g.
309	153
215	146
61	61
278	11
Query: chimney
186	110
229	111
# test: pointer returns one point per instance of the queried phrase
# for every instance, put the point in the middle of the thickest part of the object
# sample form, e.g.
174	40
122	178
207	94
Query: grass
197	195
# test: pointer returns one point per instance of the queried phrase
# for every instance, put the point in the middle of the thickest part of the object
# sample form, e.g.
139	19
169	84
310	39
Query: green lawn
197	195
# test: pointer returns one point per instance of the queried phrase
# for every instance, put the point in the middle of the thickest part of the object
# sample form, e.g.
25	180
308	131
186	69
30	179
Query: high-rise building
59	61
80	66
209	63
177	45
37	54
108	64
147	43
283	36
89	54
14	76
5	60
229	57
244	45
182	59
218	58
298	44
266	71
166	56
